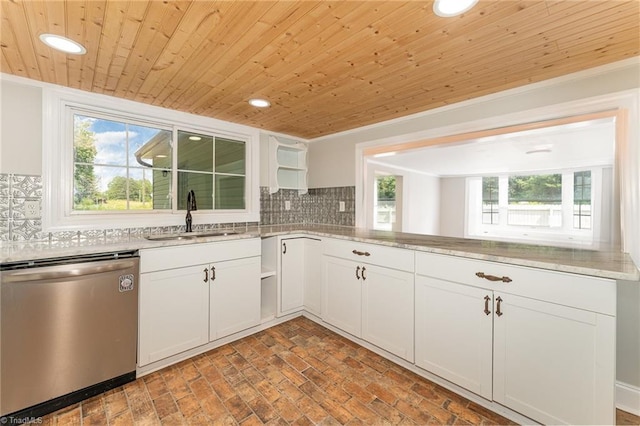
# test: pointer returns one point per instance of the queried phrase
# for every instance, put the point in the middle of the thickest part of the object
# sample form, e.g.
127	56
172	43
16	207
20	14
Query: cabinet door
387	309
174	312
234	296
553	363
341	294
312	276
291	275
453	333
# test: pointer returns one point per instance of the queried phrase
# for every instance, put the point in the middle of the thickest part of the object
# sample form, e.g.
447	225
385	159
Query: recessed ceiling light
63	44
259	103
449	8
194	138
161	156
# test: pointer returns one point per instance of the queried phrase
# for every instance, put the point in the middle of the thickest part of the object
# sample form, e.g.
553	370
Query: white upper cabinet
287	165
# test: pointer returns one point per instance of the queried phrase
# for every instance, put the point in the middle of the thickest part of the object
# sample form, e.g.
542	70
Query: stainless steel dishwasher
69	331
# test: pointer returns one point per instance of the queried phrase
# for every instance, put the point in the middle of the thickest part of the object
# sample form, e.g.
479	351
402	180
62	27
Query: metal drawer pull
361	253
498	312
493	277
358	272
213	273
486	305
363	276
284	246
206	275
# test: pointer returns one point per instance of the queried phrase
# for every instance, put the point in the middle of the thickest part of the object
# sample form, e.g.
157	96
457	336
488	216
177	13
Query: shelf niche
287	166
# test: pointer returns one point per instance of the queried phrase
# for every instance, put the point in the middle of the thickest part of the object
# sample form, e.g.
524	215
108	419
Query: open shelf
287	165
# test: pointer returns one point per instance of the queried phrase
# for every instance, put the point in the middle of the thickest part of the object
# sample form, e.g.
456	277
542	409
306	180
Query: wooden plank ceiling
326	66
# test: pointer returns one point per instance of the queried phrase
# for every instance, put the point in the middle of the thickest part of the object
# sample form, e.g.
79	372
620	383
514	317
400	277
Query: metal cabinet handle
498	312
361	253
206	275
358	272
363	276
284	247
486	305
493	277
213	273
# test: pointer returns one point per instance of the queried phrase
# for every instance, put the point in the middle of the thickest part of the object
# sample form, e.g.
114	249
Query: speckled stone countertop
603	263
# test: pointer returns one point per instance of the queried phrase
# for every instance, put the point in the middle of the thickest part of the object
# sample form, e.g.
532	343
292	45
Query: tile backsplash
19	193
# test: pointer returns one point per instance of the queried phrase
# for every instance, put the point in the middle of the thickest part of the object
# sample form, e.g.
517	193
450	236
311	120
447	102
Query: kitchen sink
189	235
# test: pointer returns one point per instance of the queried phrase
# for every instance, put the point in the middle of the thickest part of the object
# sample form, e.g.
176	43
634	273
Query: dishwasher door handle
67	271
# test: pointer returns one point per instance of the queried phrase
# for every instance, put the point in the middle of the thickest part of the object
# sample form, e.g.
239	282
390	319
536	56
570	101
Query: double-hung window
545	207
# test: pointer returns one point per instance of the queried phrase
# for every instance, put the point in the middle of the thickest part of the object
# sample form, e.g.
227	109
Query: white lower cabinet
341	295
186	302
507	334
173	312
234	296
554	363
387	309
292	268
372	302
454	335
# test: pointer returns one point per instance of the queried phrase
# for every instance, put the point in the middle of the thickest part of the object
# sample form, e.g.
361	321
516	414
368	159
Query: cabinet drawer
162	258
389	257
579	291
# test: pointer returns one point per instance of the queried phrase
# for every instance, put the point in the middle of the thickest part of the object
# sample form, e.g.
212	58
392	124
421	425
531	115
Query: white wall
21	129
452	206
421	208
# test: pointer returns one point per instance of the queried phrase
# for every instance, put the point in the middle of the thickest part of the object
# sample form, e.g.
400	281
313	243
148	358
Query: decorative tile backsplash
319	205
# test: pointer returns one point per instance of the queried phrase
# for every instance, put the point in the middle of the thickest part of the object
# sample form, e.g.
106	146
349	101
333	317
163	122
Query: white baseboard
628	398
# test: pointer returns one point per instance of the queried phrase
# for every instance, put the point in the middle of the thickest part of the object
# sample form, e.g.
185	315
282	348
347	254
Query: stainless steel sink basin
189	235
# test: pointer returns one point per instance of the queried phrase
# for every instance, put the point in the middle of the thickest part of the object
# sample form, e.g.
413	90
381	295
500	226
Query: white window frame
57	162
566	233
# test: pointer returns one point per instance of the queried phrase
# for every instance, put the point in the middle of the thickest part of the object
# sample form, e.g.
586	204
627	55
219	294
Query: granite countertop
602	263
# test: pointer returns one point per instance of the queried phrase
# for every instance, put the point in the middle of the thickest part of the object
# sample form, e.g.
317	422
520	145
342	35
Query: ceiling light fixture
385	154
194	138
540	149
449	8
63	44
259	103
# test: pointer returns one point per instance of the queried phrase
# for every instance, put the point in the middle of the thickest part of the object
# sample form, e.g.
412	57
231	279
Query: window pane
535	200
384	211
582	200
100	188
490	212
149	147
110	159
230	156
195	152
202	186
99	141
229	193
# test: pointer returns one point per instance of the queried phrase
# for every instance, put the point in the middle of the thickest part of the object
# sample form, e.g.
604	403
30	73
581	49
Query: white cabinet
342	294
287	165
193	294
291	275
387	314
312	276
296	284
370	301
552	353
174	312
234	296
554	363
454	334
